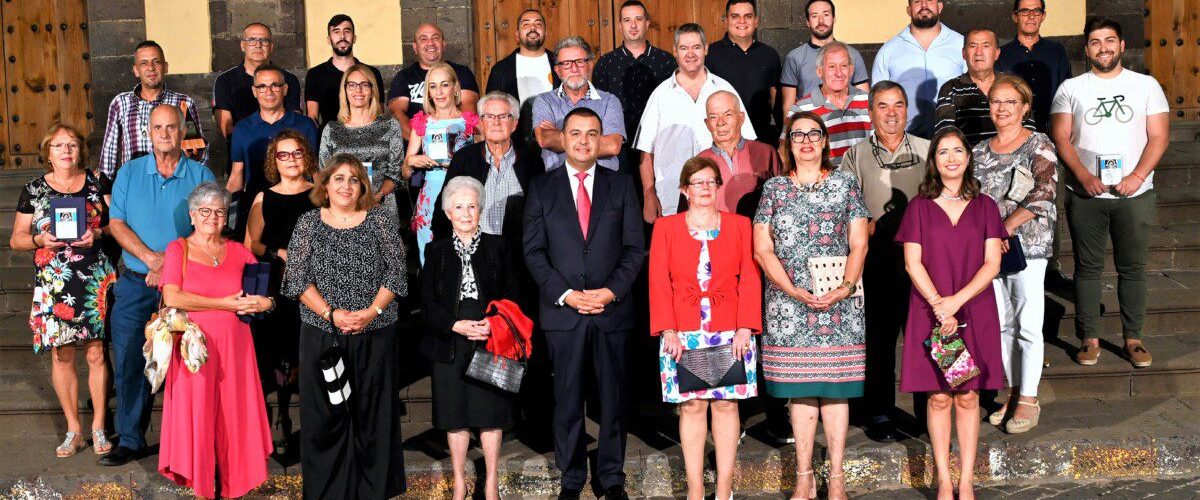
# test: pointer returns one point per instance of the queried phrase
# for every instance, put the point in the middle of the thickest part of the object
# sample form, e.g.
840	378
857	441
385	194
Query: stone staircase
29	410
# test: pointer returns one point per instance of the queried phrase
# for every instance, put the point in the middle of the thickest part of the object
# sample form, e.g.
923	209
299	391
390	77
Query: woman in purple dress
951	235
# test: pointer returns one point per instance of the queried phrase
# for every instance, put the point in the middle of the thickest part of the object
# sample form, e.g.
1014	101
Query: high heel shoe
812	490
1019	425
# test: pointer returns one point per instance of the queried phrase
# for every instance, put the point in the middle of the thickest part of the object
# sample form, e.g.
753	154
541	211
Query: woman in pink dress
214	420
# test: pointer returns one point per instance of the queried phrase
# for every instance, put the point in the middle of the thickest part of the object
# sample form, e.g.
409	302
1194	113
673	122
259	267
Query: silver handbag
499	371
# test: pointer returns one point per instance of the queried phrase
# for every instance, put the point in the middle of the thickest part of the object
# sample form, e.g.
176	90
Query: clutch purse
829	273
951	355
710	367
499	371
1021	185
1013	261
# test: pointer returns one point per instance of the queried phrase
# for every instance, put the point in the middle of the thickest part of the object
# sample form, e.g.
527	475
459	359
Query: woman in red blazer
705	292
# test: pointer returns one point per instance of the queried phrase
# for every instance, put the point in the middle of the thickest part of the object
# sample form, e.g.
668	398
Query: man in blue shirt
573	65
921	58
252	135
148	211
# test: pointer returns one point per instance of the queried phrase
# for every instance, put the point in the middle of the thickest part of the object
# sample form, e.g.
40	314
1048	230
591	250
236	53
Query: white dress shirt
573	182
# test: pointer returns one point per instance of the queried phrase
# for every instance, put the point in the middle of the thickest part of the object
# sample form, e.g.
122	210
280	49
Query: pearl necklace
944	196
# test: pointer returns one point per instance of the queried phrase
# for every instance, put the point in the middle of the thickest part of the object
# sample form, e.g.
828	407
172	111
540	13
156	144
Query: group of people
916	179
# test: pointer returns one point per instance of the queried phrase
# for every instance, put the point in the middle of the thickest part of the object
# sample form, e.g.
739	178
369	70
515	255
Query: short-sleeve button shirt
632	79
553	106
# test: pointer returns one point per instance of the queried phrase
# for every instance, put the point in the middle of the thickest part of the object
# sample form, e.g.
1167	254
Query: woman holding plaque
438	132
346	267
289	165
809	220
705	294
365	129
952	236
1018	169
73	276
214	421
463	274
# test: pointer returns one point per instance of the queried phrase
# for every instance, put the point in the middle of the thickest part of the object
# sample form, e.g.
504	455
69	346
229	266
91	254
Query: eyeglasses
209	212
275	87
364	86
799	137
900	160
578	63
1010	103
65	145
257	42
284	155
1038	12
705	183
491	116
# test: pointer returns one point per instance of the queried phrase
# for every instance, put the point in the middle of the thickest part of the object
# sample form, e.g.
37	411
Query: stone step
1173	307
1171	246
1176	369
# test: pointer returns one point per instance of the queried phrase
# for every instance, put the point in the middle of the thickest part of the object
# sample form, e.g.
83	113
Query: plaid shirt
501	184
125	135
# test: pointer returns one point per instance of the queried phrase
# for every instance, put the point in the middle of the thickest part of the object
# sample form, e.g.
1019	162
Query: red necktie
583	203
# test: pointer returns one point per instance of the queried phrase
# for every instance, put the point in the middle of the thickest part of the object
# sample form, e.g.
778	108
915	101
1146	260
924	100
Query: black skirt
353	450
460	402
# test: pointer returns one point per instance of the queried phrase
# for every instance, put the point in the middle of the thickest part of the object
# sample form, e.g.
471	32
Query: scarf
467	288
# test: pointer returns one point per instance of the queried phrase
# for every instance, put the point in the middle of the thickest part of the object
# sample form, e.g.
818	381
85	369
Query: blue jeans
135	303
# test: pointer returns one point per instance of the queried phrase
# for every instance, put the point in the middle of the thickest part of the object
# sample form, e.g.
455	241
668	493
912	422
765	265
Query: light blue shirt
554	105
921	72
155	208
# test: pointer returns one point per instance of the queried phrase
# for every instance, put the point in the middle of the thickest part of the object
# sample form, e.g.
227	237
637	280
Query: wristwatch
378	310
852	287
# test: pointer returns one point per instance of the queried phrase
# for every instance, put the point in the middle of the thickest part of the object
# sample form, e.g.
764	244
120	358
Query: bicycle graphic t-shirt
1109	120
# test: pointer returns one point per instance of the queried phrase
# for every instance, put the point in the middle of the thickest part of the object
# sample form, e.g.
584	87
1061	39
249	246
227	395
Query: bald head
165	129
724	117
429	44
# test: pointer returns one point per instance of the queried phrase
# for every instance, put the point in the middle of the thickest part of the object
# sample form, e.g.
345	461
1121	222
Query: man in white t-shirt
673	128
527	71
1111	128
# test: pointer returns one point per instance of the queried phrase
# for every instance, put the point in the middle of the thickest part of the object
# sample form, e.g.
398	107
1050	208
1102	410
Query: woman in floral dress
705	292
814	347
439	131
70	297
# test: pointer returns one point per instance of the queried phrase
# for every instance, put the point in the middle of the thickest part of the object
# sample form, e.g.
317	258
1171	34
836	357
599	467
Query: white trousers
1021	301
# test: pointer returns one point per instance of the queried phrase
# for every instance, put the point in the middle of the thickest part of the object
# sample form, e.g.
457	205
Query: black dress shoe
119	456
616	493
569	494
883	431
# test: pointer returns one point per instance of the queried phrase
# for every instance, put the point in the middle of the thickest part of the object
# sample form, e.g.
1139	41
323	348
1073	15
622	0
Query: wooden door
46	77
496	26
667	15
1173	53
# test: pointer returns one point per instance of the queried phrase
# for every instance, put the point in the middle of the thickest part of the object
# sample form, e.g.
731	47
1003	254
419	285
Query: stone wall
116	26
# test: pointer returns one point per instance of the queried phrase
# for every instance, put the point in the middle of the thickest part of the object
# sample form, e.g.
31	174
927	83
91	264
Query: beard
534	43
822	35
343	52
925	23
576	84
1105	68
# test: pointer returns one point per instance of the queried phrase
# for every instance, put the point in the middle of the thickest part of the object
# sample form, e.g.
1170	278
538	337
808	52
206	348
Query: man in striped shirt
963	101
125	133
844	107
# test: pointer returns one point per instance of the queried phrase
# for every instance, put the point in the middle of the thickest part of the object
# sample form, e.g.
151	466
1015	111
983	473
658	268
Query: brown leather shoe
1138	355
1088	354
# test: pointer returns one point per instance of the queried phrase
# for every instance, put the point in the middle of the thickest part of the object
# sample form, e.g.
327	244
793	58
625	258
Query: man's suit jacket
561	259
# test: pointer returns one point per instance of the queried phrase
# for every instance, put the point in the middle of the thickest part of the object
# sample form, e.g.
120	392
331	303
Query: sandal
812	492
829	481
1019	425
70	446
999	416
100	444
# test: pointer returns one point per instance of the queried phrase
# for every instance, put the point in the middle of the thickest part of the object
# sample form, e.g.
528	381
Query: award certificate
1111	168
68	217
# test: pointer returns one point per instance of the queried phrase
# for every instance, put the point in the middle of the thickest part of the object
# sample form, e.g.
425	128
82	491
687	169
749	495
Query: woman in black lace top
346	265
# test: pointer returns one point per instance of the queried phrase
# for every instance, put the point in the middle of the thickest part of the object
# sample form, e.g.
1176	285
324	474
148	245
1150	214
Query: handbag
1013	261
493	369
1021	184
951	355
332	365
169	326
829	273
709	368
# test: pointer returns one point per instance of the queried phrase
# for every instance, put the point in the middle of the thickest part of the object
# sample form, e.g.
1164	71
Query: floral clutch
951	355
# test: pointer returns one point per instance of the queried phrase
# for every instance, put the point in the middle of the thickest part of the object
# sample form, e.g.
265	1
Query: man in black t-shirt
232	98
407	92
323	83
752	67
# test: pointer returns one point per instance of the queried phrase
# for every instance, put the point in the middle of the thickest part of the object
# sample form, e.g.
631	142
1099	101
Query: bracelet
272	308
1139	176
327	314
33	238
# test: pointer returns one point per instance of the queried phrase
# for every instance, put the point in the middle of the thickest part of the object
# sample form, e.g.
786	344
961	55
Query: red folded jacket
503	340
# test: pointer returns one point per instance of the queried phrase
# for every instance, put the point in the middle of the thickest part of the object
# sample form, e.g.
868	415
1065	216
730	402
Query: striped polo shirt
961	103
846	126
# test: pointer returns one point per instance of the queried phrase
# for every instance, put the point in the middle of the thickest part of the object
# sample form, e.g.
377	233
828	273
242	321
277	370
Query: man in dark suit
584	246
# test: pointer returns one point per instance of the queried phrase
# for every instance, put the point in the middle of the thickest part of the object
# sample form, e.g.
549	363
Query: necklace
945	196
216	262
811	187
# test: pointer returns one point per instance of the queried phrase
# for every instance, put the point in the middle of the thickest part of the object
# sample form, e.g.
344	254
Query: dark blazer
442	276
503	77
560	259
472	161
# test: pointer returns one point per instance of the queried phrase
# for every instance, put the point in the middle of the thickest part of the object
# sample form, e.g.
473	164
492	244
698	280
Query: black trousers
352	450
885	292
569	352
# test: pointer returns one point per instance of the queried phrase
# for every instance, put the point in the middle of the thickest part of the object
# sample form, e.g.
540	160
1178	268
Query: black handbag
1013	261
499	371
710	367
332	364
